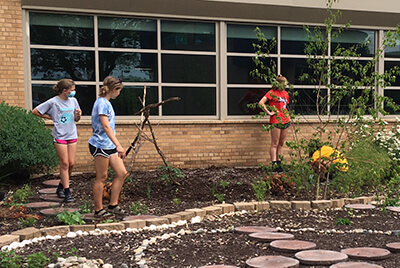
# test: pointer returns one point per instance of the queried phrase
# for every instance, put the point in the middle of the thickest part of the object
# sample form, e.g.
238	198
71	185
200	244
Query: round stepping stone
51	182
395	209
355	265
255	229
269	237
44	204
55	211
320	257
394	247
273	262
51	197
367	253
88	216
50	190
291	246
219	266
360	206
139	217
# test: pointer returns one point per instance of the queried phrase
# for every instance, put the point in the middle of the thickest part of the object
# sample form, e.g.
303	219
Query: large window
181	63
209	69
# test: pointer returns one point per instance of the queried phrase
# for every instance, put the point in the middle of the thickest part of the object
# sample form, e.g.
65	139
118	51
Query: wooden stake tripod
136	143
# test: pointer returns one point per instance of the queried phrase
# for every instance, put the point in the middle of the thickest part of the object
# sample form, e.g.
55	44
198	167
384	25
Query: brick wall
192	145
11	51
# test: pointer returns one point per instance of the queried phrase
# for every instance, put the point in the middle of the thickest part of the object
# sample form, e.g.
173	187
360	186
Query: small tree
348	106
25	143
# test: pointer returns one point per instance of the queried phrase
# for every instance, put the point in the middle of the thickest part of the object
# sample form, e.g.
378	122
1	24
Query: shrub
26	143
368	166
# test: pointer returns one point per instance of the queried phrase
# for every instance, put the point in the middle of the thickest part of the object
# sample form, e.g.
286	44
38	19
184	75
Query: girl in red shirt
278	99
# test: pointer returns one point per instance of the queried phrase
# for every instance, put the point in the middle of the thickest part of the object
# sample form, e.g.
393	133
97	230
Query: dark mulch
194	250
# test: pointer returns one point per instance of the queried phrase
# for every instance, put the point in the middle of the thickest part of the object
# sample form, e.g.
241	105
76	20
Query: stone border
31	232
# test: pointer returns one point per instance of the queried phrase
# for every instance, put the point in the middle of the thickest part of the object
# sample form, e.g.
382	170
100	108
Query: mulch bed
197	190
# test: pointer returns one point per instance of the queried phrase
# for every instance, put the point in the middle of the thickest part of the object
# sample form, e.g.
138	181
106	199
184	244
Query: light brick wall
11	51
192	145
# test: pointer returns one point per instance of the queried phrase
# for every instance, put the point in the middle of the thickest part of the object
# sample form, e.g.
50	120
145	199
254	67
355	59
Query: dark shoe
69	199
60	191
117	211
103	214
279	170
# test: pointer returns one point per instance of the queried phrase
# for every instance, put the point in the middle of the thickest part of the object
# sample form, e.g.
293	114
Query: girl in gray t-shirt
64	111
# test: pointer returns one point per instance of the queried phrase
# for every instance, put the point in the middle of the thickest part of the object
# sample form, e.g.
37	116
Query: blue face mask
72	94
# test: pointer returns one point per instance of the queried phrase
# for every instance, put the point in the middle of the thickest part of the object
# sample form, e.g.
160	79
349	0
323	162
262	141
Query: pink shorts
64	141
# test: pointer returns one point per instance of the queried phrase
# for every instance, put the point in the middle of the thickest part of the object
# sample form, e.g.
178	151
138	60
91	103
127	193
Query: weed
22	194
9	259
138	208
391	202
177	201
85	208
176	174
342	221
107	221
148	191
27	222
260	189
71	218
220	197
224	184
37	260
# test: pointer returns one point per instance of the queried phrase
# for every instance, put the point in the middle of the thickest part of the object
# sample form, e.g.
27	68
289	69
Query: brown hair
110	83
63	84
279	79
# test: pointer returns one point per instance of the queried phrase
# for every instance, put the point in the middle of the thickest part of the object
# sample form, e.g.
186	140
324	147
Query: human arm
110	133
37	113
262	103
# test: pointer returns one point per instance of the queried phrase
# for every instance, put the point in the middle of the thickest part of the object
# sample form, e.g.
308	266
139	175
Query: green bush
26	143
368	167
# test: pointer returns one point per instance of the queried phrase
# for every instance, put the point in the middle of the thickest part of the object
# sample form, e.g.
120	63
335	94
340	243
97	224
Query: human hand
121	152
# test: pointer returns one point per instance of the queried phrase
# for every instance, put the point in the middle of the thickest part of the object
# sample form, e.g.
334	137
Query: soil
220	245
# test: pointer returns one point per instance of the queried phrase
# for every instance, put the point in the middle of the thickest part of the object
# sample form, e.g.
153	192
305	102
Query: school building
198	50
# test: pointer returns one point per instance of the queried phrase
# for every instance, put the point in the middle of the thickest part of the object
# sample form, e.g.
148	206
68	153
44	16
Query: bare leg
275	133
71	157
281	143
101	168
118	166
62	152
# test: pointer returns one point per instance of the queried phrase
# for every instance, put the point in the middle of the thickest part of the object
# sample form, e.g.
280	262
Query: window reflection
127	33
61	29
183	35
393	52
305	102
51	64
241	37
239	69
188	68
363	41
390	65
128	102
194	101
295	39
395	96
86	96
293	69
130	67
240	98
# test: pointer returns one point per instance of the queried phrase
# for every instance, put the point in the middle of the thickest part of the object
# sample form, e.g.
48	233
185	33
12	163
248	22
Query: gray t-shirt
62	114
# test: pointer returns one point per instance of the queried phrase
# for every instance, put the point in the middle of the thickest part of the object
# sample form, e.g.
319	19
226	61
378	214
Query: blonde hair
280	79
110	83
63	84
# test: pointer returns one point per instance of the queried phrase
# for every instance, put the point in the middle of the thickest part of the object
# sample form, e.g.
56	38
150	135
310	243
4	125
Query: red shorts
64	141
